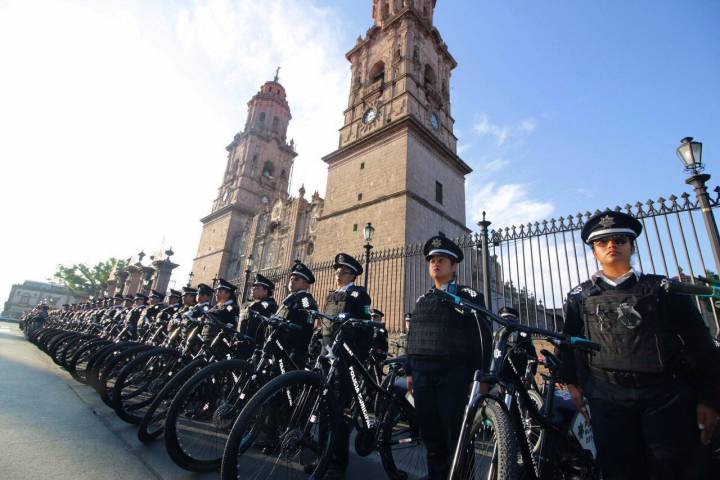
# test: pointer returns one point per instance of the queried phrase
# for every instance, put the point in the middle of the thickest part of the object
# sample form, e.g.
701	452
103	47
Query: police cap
204	289
609	224
441	245
189	291
263	282
301	270
225	285
345	260
156	294
175	293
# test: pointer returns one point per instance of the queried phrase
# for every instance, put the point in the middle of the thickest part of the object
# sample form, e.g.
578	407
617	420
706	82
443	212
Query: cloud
495	165
508	204
115	116
484	127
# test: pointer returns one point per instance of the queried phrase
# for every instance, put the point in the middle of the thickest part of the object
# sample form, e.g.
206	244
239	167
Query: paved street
55	428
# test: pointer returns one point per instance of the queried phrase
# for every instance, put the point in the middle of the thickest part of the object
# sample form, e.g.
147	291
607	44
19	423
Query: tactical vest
334	306
629	325
438	330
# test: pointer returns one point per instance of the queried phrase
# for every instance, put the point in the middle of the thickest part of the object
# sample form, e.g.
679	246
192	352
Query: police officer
261	302
648	412
353	302
292	309
348	298
188	302
226	307
133	316
173	305
444	350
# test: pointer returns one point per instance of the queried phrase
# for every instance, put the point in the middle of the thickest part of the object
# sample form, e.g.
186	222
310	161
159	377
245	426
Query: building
25	296
396	165
397	142
257	174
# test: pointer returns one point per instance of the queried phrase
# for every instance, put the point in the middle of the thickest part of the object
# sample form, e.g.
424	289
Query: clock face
369	116
434	121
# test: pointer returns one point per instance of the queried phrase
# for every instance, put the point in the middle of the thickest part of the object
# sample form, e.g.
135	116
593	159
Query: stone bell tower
259	165
396	164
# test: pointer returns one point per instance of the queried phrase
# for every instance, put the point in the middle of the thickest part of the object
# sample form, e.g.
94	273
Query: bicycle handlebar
682	288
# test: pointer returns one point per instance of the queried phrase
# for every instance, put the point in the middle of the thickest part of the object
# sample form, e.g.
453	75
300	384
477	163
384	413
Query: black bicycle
494	442
288	427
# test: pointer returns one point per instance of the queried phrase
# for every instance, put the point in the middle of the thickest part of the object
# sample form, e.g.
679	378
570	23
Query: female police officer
645	408
444	350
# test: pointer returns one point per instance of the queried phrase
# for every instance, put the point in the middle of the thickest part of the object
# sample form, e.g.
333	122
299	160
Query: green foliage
84	280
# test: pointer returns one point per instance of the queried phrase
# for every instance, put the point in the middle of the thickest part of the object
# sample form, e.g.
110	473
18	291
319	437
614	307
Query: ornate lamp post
249	264
368	233
690	153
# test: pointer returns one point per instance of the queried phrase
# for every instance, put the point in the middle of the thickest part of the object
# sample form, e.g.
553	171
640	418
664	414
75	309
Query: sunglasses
617	240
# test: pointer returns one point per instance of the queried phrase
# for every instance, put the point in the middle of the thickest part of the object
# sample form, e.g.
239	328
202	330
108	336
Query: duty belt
631	379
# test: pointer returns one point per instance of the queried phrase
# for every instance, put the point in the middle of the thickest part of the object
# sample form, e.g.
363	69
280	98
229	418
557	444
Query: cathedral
396	143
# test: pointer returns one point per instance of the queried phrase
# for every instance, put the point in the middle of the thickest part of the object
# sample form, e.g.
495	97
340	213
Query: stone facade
397	142
257	174
396	165
25	296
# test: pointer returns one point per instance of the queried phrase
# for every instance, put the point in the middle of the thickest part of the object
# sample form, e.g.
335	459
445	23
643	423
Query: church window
438	192
429	76
386	10
275	124
262	117
268	169
25	299
253	166
362	165
355	227
377	73
359	197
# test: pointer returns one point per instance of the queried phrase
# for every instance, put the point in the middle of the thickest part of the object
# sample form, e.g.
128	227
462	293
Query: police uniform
226	312
291	309
656	363
133	316
444	350
351	300
171	309
249	324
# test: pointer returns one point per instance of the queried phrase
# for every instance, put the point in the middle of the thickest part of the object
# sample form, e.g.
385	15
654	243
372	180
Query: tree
84	280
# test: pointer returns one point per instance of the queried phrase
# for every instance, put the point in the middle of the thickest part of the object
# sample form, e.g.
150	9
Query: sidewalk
53	427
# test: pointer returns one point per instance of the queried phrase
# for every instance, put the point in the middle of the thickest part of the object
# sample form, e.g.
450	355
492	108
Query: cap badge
607	221
341	258
436	243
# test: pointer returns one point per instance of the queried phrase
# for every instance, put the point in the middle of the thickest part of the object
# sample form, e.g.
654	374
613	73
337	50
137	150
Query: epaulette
469	292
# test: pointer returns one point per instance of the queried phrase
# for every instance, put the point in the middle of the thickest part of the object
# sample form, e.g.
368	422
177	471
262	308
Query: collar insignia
607	221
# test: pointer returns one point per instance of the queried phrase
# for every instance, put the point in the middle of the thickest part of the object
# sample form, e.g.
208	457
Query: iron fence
531	267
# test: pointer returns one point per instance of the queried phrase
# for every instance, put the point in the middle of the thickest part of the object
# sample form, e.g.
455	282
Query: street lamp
368	233
690	153
249	264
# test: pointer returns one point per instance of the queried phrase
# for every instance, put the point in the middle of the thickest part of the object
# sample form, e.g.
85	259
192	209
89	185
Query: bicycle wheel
153	422
282	432
401	449
490	452
140	380
202	413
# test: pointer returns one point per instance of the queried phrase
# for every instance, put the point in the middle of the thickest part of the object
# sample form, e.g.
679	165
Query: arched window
386	9
262	117
429	76
275	124
377	73
268	169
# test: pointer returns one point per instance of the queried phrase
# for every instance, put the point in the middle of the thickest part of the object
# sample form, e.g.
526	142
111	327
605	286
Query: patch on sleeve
576	290
355	294
229	308
265	304
470	292
305	302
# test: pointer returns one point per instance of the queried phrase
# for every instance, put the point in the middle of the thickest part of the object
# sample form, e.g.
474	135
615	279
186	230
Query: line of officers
653	391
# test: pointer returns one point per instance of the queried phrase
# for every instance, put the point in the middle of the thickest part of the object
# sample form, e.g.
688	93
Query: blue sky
116	113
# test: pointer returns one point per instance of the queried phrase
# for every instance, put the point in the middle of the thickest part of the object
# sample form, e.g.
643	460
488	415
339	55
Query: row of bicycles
221	400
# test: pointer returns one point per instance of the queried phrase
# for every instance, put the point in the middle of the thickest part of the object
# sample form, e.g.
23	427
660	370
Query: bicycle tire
243	436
